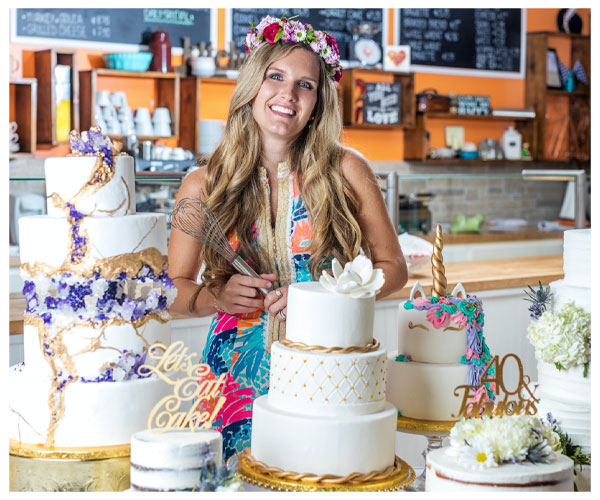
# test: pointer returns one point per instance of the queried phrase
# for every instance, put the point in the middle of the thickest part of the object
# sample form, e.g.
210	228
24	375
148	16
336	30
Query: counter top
476	276
524	234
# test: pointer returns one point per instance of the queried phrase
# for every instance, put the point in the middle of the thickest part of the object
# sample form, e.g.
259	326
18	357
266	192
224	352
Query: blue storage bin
128	61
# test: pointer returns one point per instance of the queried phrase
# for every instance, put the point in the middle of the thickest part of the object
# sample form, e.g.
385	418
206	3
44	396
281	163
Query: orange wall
375	145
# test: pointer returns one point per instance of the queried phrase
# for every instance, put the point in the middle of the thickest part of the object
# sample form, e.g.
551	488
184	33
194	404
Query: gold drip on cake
109	268
393	478
437	265
373	346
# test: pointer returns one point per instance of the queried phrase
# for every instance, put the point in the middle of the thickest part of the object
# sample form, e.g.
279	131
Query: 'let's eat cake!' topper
476	403
197	385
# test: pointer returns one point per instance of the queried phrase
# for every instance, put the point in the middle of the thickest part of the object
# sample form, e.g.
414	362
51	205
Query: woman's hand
240	294
276	303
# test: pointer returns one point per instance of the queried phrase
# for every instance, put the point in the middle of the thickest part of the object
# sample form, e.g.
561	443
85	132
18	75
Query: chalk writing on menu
382	103
130	26
480	39
337	22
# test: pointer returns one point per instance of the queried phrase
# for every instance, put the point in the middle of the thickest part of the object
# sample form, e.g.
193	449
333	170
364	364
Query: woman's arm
239	295
375	223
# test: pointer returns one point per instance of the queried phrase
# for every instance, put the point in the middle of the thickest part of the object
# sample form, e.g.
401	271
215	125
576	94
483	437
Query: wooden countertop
523	234
475	275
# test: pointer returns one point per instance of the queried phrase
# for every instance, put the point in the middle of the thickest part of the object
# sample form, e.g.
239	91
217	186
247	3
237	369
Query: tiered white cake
562	335
97	295
440	346
325	412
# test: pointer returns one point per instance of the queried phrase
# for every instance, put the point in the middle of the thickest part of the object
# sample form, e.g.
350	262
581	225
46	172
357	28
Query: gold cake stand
250	471
434	431
36	468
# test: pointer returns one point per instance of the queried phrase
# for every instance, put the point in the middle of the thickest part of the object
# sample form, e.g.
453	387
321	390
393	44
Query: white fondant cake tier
323	445
95	414
577	257
329	384
90	349
172	460
316	316
445	474
425	391
418	338
567	395
562	293
67	176
46	240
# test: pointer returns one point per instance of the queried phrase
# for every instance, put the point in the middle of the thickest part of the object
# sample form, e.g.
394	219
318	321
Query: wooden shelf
24	91
45	65
144	137
167	95
475	162
493	118
566	93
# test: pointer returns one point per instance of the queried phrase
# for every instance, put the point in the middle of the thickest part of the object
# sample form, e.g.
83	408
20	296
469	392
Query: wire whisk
194	218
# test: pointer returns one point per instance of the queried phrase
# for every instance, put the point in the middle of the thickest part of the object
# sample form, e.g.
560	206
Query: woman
290	197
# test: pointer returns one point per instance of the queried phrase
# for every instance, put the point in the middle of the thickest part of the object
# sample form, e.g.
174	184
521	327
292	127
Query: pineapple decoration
437	265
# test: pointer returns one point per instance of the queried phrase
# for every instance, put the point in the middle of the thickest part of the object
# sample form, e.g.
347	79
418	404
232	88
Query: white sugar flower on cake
356	278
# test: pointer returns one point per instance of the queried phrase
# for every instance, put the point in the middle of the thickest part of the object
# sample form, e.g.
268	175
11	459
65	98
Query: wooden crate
24	99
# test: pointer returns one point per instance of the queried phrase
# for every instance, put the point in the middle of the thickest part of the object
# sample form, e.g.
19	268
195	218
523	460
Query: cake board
257	474
35	468
434	431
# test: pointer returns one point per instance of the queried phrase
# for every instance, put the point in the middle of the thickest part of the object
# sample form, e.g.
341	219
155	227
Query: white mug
203	66
142	115
103	97
161	115
118	99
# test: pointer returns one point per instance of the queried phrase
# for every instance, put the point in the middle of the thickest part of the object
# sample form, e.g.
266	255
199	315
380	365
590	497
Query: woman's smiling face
287	96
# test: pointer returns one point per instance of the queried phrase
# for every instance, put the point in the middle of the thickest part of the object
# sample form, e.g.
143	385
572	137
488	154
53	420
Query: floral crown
273	30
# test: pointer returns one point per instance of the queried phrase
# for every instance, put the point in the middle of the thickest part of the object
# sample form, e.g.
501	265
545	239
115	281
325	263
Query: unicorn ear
459	291
417	290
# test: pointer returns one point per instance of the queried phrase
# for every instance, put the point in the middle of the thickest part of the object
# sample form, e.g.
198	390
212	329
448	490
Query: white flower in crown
357	278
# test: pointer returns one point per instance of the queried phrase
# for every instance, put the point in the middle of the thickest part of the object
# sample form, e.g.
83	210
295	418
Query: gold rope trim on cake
109	268
355	478
373	346
27	450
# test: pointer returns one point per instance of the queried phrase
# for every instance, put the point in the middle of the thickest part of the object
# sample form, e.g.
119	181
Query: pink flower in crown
332	43
337	76
460	319
265	22
420	302
271	32
438	317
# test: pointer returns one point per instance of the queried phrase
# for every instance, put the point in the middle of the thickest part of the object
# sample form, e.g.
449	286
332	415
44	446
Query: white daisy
478	455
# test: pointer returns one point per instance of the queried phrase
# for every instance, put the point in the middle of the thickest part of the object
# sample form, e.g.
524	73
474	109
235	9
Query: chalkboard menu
337	22
464	39
382	103
126	26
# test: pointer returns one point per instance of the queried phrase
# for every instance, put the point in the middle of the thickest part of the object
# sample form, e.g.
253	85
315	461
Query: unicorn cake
440	346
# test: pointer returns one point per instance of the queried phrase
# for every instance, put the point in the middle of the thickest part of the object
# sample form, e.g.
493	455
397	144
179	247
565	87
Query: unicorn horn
437	265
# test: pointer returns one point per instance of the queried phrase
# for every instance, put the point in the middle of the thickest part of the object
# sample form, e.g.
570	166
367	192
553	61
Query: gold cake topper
475	402
437	265
197	386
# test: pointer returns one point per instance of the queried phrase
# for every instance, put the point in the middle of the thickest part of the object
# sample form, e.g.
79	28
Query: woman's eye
305	85
275	76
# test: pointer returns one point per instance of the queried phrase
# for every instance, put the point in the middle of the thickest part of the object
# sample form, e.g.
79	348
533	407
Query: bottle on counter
511	144
160	46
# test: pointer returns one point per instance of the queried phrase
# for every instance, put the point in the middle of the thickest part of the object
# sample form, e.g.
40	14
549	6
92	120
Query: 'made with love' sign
382	103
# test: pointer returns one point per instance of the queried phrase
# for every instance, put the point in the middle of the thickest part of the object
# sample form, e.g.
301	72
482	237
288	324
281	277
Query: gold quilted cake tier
429	427
251	471
43	474
26	450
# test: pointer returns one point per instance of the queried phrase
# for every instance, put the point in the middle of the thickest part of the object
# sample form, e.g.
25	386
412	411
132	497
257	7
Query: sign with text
382	103
197	385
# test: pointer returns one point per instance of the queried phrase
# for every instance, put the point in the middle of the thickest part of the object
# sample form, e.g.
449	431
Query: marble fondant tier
336	385
172	460
444	474
91	350
316	316
323	445
46	242
66	177
95	414
425	390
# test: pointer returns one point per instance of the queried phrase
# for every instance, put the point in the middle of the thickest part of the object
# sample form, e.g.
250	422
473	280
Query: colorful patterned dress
240	344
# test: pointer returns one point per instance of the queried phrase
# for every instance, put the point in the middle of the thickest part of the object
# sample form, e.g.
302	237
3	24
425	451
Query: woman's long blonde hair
233	187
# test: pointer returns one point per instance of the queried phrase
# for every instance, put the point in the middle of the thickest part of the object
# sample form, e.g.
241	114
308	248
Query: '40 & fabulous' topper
476	402
197	385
